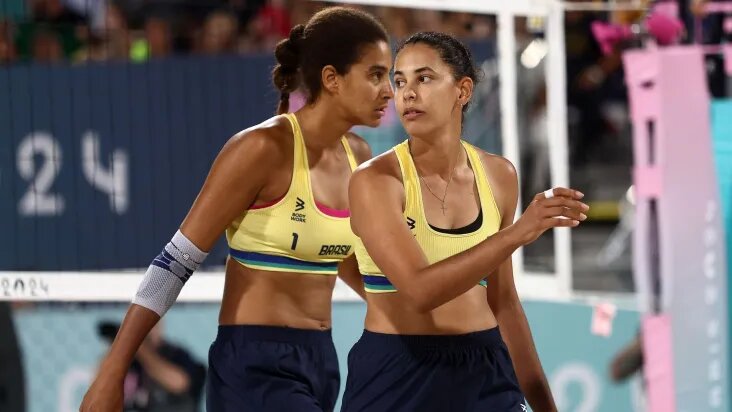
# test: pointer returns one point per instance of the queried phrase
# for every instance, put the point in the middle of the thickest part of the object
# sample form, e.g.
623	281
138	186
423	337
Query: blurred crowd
50	31
78	31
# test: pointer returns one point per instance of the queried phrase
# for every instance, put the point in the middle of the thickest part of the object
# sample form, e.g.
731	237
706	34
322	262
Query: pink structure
679	254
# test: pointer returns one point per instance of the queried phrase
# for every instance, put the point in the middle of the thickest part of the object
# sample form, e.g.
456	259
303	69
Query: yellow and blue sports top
437	244
294	233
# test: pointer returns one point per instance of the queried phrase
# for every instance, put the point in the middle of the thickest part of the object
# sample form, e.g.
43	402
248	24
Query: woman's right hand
563	209
104	395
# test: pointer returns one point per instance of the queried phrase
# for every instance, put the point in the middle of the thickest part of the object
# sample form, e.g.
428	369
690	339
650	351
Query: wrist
115	376
515	235
144	355
112	371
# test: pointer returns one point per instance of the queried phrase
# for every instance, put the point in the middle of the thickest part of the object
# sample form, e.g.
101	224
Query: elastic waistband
488	338
247	333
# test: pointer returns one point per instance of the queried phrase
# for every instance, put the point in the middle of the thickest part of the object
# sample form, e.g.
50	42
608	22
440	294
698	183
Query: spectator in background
270	25
159	37
163	377
112	42
69	29
7	47
627	361
219	34
592	78
46	46
117	34
96	49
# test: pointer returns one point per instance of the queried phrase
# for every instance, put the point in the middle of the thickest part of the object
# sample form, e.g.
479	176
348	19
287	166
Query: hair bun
287	52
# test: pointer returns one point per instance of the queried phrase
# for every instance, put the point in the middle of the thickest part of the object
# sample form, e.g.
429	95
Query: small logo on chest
410	223
298	217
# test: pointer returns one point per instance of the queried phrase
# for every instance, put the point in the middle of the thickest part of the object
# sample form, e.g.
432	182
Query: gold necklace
444	196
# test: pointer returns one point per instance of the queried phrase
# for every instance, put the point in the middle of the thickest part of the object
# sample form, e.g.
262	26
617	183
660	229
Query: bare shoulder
385	165
504	182
270	140
379	174
359	146
376	181
498	167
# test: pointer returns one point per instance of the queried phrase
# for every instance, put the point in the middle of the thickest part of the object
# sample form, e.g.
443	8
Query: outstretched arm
380	225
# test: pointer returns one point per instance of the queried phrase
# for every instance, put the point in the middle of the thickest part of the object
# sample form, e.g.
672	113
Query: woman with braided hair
279	190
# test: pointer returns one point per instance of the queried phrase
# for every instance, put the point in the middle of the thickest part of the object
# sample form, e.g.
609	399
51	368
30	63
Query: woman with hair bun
279	191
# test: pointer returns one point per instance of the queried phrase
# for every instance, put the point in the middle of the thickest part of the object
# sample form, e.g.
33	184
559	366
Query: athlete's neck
437	154
319	127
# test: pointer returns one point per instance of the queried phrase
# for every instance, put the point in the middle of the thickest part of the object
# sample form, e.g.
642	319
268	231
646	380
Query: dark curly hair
334	36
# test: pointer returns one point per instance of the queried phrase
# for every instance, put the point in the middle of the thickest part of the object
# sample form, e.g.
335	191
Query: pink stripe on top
340	213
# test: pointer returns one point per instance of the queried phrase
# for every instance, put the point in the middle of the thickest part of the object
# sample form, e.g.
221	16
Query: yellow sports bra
294	233
437	244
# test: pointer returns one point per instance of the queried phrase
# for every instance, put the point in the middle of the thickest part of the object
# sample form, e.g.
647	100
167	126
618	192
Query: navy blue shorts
268	368
471	372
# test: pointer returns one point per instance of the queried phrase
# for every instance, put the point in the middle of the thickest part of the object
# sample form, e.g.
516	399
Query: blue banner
99	163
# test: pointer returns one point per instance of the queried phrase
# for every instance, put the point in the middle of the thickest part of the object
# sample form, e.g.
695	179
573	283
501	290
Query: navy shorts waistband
281	334
489	338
